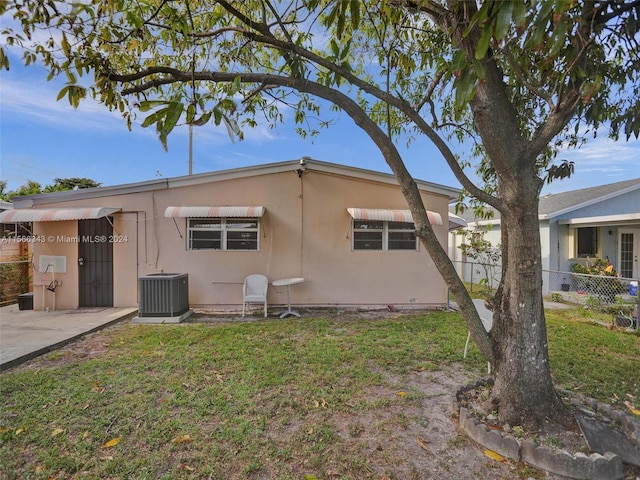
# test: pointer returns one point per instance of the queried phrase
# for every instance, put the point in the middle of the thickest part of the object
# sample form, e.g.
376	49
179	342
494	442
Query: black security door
95	263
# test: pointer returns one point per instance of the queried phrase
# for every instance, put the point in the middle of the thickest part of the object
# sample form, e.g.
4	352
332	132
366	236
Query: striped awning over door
55	214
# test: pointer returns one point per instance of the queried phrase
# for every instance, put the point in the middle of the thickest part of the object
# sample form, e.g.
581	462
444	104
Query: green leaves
167	113
74	93
341	13
4	59
164	118
433	58
564	170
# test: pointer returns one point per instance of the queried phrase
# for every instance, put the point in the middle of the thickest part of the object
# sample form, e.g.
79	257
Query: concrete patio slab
26	334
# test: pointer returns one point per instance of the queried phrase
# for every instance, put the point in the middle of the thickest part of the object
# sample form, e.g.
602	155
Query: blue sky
42	139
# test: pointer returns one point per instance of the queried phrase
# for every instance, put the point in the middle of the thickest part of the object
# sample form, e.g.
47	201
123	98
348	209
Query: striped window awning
390	215
54	214
203	212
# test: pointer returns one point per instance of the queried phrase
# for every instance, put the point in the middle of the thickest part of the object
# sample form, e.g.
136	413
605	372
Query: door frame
635	231
99	240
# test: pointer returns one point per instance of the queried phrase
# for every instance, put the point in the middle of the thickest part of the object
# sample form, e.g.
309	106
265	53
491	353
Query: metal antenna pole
190	149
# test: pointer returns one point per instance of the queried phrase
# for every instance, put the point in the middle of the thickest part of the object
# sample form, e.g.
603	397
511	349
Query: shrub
605	288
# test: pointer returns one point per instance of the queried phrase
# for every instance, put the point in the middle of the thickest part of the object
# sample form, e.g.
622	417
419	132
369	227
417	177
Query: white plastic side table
288	282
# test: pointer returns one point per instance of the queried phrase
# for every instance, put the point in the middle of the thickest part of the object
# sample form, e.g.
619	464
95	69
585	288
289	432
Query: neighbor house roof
555	204
552	205
300	165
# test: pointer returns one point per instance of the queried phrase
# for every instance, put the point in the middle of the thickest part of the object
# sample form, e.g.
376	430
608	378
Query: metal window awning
54	214
390	215
456	222
202	212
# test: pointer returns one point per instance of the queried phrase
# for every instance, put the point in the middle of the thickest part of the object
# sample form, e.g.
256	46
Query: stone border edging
630	424
579	466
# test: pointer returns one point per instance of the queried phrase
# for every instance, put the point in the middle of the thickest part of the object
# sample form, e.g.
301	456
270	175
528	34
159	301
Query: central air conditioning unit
163	294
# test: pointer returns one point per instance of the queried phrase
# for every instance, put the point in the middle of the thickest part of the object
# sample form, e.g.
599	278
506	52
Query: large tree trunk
523	389
523	392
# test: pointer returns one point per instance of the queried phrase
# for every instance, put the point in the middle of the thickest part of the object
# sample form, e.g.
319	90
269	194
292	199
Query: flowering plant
597	266
605	289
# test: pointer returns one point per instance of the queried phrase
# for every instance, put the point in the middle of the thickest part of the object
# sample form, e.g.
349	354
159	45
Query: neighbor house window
586	242
382	235
223	233
21	229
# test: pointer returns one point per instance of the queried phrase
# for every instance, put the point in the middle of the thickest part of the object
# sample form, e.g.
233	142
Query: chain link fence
606	294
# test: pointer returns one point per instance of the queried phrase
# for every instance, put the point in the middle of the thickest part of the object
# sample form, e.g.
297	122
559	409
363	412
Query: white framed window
384	235
222	233
586	242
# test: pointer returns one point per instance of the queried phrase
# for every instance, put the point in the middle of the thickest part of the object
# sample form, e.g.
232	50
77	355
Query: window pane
368	225
367	240
242	240
587	242
205	223
235	223
626	255
401	226
201	240
402	241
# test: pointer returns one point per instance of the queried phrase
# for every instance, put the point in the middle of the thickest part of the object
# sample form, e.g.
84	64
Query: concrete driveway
25	334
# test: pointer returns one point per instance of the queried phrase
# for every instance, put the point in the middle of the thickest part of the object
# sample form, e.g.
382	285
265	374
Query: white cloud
605	155
34	101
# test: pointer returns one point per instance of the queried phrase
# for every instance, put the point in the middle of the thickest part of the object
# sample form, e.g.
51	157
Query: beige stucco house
345	230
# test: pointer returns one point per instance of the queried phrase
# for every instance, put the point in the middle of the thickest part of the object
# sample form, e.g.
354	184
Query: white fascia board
603	219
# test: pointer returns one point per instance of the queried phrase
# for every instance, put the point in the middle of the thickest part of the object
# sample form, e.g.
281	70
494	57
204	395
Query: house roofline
589	202
221	175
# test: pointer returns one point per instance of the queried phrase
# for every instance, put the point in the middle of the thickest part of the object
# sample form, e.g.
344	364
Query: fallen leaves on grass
322	403
16	431
57	431
631	408
112	443
97	388
182	439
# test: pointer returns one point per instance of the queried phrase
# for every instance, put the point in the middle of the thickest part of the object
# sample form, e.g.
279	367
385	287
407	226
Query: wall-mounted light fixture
303	166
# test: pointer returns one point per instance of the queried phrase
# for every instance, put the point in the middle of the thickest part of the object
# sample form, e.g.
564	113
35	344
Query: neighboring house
598	222
345	230
13	230
15	275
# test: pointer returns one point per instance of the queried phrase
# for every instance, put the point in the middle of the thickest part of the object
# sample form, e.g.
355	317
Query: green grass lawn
232	400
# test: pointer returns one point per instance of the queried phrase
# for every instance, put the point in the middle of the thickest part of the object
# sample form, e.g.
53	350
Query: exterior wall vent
163	294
